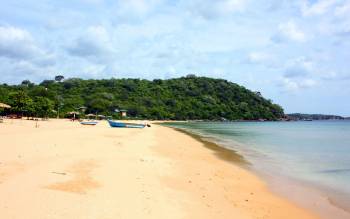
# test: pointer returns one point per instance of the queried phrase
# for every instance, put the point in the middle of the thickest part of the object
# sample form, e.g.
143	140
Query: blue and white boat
115	124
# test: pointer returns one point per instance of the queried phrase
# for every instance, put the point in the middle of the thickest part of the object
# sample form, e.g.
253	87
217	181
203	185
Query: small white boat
88	123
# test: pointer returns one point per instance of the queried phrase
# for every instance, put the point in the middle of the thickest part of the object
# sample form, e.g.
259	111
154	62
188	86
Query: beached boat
115	124
88	123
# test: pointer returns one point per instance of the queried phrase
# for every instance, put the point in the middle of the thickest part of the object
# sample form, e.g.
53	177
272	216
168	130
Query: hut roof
71	113
2	105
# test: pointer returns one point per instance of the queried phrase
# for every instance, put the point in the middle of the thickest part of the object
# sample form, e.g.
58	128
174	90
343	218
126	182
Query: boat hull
88	123
115	124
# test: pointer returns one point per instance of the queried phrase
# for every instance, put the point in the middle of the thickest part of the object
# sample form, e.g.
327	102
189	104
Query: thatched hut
74	114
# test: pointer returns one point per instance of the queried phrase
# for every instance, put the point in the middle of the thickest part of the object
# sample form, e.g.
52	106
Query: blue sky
296	53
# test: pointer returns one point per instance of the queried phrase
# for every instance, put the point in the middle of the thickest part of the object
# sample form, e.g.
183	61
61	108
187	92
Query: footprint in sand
81	181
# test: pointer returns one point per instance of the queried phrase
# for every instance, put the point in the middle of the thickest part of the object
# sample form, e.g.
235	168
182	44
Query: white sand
65	170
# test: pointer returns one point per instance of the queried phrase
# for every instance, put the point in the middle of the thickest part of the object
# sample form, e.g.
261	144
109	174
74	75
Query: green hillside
183	98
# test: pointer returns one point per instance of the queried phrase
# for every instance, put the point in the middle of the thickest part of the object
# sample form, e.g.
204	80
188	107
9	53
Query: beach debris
59	173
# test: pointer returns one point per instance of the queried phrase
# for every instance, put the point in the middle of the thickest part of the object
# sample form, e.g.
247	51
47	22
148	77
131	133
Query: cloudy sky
296	52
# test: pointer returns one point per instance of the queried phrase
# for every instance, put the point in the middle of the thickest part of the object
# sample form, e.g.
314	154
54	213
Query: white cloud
99	32
295	85
299	67
330	75
94	70
259	57
319	8
20	55
263	58
289	32
94	43
137	8
343	10
17	43
299	73
213	9
15	71
231	6
92	1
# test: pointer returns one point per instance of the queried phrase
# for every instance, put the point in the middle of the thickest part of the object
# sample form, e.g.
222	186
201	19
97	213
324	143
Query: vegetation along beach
183	109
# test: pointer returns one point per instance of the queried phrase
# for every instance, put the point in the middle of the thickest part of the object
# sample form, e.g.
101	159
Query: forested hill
183	98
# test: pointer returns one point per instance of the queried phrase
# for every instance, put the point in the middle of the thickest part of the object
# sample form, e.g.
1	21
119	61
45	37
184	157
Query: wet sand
313	197
65	170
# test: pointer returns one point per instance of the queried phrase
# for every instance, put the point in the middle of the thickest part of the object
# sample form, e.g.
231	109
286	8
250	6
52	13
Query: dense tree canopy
181	98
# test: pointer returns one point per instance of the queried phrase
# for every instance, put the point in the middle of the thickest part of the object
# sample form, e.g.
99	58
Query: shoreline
236	160
305	194
61	169
220	151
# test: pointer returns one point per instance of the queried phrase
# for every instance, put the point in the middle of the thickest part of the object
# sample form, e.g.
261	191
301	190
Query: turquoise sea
316	153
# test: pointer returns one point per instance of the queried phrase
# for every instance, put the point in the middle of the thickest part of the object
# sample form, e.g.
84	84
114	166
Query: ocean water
316	152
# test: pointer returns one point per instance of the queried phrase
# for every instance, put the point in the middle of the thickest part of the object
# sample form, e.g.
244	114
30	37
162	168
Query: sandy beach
62	169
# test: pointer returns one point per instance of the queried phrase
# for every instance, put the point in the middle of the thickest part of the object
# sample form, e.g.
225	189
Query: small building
73	115
123	113
90	116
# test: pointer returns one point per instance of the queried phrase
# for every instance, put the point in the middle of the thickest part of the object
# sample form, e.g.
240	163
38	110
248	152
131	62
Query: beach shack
73	115
90	116
4	106
122	113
